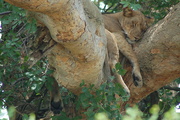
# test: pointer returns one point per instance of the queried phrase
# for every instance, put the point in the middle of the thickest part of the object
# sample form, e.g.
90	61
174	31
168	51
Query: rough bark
80	53
159	56
78	29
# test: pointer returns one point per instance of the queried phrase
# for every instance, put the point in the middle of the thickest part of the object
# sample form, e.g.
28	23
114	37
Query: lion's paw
137	79
56	107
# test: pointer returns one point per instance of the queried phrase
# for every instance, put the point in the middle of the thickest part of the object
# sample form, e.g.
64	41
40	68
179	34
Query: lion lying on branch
122	30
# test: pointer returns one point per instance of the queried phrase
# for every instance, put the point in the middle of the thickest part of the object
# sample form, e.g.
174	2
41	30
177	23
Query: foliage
156	8
19	84
135	114
119	69
101	104
165	98
26	87
102	100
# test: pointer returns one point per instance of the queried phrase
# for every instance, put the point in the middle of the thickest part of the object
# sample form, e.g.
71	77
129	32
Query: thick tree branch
158	54
77	27
43	6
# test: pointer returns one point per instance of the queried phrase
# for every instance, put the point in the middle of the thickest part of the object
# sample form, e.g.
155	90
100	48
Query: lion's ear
149	20
127	12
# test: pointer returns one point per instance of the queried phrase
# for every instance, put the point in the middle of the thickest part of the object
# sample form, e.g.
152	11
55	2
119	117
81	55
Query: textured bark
159	56
80	53
78	29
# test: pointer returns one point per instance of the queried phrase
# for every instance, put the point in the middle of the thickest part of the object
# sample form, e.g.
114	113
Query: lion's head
134	24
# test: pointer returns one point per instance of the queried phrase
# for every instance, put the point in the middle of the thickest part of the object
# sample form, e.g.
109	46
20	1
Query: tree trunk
78	29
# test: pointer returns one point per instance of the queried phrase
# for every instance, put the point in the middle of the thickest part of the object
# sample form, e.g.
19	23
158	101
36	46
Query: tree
78	32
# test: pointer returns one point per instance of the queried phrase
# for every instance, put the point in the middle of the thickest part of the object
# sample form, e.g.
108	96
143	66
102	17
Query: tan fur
113	57
119	25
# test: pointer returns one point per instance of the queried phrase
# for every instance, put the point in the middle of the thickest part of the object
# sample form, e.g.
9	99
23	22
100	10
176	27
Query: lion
123	29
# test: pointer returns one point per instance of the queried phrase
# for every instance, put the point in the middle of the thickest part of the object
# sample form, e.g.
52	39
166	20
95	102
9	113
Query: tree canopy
24	82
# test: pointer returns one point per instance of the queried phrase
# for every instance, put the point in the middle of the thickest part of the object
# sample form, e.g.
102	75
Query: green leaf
82	84
49	82
32	116
101	116
177	80
11	111
118	66
171	115
155	109
63	116
25	117
49	72
122	72
125	3
85	90
133	114
135	6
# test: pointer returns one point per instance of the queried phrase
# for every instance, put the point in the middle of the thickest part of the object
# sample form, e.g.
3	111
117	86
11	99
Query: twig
109	8
5	13
172	88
